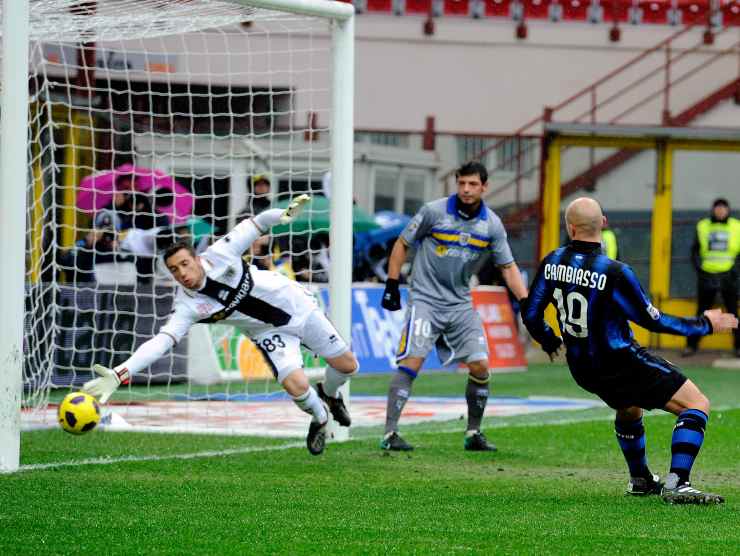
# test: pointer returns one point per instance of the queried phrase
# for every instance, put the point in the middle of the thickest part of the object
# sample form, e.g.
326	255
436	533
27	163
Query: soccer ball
79	413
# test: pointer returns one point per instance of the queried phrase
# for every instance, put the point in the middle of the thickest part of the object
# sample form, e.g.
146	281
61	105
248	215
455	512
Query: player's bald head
584	218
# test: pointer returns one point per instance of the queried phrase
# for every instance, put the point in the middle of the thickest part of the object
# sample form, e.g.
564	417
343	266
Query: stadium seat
693	12
379	6
418	6
730	13
615	10
654	11
536	9
457	7
498	8
575	10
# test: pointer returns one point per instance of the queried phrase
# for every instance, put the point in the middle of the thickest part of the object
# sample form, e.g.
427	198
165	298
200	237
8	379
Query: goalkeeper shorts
282	349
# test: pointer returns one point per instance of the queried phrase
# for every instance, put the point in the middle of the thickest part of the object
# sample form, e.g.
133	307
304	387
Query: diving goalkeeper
277	313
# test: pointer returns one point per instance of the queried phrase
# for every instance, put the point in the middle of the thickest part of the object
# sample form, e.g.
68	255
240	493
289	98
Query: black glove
552	346
391	296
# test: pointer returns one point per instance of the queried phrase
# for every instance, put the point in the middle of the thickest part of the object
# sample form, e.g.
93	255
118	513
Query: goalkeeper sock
476	394
333	380
398	394
311	404
631	439
688	435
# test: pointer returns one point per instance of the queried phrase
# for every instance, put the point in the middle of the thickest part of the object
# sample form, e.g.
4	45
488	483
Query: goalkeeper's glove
108	382
294	209
391	296
271	217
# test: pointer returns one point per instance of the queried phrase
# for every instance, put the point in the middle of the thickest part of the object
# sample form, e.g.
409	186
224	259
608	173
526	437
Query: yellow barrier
665	141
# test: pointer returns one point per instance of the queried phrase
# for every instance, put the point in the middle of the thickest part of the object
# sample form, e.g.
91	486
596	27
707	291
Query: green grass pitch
555	487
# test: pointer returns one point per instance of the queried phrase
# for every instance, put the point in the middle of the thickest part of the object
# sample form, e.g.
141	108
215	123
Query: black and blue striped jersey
595	298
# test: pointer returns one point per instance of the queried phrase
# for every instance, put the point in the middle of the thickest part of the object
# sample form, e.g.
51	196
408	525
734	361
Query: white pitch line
291	445
193	455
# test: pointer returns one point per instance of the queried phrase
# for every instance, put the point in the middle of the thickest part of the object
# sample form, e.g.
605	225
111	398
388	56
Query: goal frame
13	163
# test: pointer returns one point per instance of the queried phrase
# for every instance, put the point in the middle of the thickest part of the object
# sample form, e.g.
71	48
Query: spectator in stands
714	254
97	246
259	199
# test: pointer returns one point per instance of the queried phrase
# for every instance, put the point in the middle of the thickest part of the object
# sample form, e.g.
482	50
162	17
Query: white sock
311	404
333	380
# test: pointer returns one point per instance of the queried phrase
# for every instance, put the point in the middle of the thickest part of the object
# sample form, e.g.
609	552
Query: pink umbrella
96	191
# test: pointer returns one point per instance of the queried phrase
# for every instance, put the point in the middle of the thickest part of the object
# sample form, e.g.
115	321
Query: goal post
13	170
208	94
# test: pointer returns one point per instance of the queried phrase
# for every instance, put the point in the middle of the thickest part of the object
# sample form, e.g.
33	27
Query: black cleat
640	486
336	406
392	442
477	443
689	351
686	494
316	439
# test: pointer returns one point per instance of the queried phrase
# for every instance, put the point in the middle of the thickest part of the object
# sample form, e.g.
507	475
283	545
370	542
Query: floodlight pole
13	178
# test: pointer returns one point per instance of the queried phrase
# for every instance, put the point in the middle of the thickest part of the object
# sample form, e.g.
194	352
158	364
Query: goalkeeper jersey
235	293
448	247
595	298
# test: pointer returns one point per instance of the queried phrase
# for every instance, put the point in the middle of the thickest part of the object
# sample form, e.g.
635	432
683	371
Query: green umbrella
199	228
315	218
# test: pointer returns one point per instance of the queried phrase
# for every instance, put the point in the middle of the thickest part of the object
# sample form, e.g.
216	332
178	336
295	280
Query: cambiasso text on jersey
576	276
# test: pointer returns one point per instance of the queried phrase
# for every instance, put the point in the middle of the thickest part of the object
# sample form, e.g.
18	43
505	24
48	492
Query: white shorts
282	350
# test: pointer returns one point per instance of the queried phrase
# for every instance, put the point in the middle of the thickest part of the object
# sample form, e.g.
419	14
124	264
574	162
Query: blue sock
631	438
688	435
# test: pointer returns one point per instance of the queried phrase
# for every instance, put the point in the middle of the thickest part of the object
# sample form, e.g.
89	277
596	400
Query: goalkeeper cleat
477	442
640	486
316	439
392	442
686	494
336	406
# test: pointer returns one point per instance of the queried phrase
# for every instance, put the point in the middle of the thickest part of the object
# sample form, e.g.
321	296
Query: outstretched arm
244	234
150	351
636	305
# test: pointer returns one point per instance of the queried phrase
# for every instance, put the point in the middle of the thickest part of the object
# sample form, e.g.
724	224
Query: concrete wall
474	76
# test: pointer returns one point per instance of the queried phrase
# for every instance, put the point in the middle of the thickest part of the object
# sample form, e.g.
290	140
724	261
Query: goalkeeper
277	313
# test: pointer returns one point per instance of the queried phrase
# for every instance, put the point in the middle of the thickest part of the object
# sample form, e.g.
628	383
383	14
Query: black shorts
634	377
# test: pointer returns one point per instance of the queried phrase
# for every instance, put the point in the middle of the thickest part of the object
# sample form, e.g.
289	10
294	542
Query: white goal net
158	119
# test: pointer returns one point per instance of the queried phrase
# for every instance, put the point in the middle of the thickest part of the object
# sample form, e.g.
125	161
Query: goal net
151	120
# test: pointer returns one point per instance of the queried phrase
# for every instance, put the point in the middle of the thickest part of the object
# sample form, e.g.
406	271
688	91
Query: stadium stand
637	12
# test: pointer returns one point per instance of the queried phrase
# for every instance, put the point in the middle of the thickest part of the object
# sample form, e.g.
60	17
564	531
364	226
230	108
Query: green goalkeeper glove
294	209
103	387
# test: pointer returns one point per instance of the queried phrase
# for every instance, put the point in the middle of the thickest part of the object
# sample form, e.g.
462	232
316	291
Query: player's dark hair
471	168
175	247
